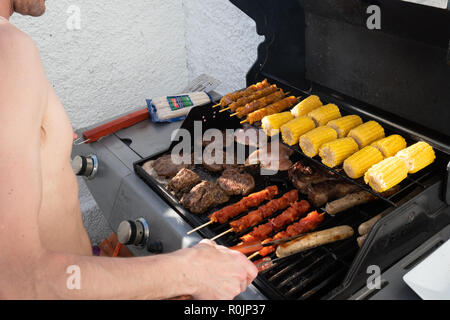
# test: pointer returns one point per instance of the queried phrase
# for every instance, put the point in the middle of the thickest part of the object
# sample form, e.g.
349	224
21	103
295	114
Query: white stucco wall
127	51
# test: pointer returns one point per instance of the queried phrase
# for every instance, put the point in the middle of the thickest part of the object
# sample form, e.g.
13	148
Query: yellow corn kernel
306	106
417	156
357	165
272	124
335	152
345	124
291	131
386	174
391	145
311	141
367	133
325	114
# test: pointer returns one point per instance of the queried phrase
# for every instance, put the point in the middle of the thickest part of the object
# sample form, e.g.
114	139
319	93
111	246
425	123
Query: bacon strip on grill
265	211
255	96
276	107
232	97
253	200
307	224
294	212
260	103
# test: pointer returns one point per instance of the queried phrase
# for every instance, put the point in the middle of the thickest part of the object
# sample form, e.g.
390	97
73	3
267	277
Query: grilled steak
321	193
233	182
204	196
184	181
166	168
304	175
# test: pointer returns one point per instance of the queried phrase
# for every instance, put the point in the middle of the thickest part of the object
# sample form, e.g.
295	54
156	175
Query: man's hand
216	272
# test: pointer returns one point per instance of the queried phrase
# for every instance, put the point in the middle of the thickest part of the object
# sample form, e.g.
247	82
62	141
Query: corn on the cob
391	145
367	133
306	106
272	124
295	128
386	174
357	165
311	141
335	152
417	156
345	124
325	114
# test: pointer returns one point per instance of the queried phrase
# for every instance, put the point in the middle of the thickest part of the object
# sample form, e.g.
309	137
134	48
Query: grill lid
400	72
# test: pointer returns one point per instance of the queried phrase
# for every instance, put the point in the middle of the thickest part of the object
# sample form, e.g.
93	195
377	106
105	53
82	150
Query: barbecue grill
398	75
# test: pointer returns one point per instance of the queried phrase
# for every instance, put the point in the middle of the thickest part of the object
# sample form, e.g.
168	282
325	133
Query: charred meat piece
234	183
321	193
184	181
203	196
303	175
164	166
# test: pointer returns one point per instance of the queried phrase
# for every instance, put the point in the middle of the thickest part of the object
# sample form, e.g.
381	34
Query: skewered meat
260	103
314	240
321	193
166	168
234	183
255	96
303	175
253	200
276	107
294	212
265	211
184	181
232	97
204	196
307	224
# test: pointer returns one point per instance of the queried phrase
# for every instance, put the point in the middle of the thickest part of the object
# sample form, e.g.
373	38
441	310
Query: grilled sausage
314	240
361	240
349	201
365	227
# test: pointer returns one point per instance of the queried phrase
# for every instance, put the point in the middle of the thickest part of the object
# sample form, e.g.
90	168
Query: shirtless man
41	231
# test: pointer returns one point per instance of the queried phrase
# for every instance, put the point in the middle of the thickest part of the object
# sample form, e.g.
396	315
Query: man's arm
27	269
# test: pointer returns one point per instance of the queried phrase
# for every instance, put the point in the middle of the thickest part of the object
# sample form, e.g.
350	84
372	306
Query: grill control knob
85	166
134	233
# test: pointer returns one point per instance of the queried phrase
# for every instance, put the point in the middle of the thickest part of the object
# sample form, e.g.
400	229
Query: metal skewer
201	227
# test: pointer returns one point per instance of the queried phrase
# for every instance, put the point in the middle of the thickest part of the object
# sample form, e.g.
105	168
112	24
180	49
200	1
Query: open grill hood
400	72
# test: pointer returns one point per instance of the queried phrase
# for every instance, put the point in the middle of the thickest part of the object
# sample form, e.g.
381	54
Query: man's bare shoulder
16	47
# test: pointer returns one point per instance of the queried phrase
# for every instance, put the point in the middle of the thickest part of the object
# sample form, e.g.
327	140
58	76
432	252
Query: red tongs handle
114	126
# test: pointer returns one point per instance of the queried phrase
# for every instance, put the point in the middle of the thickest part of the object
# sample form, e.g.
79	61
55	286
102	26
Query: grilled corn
417	156
325	114
357	165
311	141
291	131
271	124
367	133
386	174
391	145
335	152
345	124
306	106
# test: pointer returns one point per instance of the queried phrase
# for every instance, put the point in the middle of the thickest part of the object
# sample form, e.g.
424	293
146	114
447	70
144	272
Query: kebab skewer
277	107
241	102
225	214
260	103
294	212
232	97
264	211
